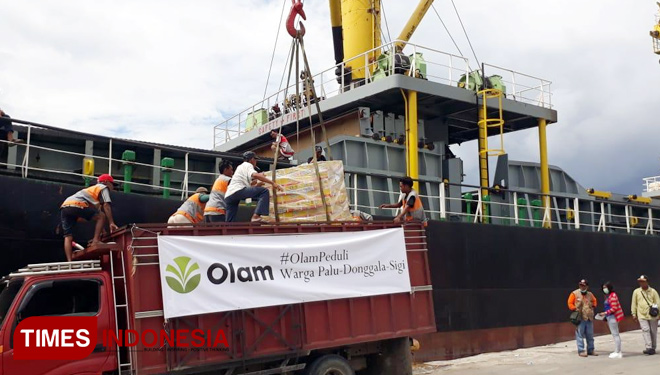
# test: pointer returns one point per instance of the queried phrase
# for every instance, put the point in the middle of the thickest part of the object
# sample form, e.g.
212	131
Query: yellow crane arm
412	24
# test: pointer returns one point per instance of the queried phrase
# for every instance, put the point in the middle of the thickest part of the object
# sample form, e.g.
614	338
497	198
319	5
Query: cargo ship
503	254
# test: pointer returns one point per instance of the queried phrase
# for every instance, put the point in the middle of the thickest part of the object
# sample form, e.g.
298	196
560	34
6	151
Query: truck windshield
7	296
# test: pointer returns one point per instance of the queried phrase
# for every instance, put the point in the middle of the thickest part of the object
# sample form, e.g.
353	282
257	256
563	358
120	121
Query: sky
167	71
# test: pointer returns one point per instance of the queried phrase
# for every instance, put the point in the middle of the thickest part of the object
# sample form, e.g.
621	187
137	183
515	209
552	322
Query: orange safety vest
85	197
192	208
416	212
216	204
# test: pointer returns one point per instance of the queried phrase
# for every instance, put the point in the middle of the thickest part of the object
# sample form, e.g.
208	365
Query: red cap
106	178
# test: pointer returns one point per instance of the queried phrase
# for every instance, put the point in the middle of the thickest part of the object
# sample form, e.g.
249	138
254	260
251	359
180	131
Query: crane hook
296	9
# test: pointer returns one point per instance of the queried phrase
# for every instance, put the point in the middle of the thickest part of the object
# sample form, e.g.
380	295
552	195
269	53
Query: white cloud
166	71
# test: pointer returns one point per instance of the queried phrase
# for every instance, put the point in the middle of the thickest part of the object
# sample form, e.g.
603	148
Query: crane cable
447	30
465	32
277	37
387	26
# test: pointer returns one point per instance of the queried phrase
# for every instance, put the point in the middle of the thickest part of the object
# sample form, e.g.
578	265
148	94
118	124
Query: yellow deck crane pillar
360	21
337	33
545	169
411	139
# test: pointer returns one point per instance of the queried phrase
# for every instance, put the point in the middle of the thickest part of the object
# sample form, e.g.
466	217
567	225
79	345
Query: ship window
63	298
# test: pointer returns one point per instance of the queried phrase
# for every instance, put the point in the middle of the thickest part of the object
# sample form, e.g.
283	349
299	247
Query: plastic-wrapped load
301	201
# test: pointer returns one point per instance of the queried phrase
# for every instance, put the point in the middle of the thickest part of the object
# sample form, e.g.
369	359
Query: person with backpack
613	314
583	302
644	309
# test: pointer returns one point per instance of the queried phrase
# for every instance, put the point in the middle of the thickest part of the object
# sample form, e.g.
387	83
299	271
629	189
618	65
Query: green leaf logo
185	281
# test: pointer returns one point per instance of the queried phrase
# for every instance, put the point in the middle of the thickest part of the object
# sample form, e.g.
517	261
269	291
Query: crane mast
356	30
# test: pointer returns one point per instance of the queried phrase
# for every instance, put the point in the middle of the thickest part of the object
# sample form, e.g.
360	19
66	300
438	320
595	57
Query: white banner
206	274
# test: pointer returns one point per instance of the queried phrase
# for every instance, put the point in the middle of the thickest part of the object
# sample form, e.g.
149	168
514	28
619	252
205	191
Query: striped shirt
613	307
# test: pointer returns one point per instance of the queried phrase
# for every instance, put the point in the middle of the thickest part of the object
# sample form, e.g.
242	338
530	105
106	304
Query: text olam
218	273
345	269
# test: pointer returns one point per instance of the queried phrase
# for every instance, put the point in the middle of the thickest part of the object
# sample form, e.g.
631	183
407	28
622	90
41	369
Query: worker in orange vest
91	204
192	210
409	202
216	208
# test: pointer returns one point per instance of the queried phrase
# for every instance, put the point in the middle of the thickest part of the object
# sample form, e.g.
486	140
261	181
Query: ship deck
440	98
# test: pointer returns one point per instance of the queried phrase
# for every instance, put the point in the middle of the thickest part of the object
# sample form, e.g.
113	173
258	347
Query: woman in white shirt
241	188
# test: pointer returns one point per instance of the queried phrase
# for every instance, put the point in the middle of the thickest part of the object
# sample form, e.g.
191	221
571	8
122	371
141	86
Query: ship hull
505	287
494	287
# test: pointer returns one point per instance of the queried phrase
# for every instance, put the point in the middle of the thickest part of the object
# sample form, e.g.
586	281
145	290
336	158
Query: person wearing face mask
583	301
613	314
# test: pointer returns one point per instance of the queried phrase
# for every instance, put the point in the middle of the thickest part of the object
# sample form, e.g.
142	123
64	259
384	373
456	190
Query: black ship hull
495	287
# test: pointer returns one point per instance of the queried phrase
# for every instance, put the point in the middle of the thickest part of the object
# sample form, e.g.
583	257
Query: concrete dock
560	358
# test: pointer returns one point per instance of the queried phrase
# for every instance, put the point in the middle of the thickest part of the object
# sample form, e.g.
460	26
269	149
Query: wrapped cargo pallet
300	201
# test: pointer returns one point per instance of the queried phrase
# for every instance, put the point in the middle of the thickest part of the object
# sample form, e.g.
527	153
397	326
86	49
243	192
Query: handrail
25	166
651	184
236	125
192	151
567	211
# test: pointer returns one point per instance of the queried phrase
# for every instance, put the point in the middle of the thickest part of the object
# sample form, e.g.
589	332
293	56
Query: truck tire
394	359
330	364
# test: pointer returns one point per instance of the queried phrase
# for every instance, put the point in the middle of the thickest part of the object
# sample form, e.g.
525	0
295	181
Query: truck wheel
330	364
395	359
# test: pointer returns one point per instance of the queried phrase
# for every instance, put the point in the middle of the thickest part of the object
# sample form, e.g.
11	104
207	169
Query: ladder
118	273
61	267
486	122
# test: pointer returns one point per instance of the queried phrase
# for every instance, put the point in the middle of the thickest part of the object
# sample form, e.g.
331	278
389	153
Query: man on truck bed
91	204
409	202
216	207
241	188
192	210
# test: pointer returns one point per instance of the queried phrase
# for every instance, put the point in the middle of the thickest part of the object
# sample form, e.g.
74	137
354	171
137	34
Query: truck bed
288	331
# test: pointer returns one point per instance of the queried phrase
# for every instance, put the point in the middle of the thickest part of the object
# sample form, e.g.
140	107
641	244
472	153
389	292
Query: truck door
8	293
59	297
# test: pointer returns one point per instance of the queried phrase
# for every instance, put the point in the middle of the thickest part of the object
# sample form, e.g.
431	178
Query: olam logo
185	281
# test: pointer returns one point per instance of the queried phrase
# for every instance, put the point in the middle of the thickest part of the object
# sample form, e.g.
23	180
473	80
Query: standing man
409	201
285	152
7	128
192	210
584	302
319	155
215	210
644	309
241	188
91	204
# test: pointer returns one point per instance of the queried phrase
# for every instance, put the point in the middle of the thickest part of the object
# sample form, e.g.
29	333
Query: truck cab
55	290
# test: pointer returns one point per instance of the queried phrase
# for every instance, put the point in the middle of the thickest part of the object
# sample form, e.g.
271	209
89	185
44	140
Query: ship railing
441	67
523	87
651	184
519	208
24	150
